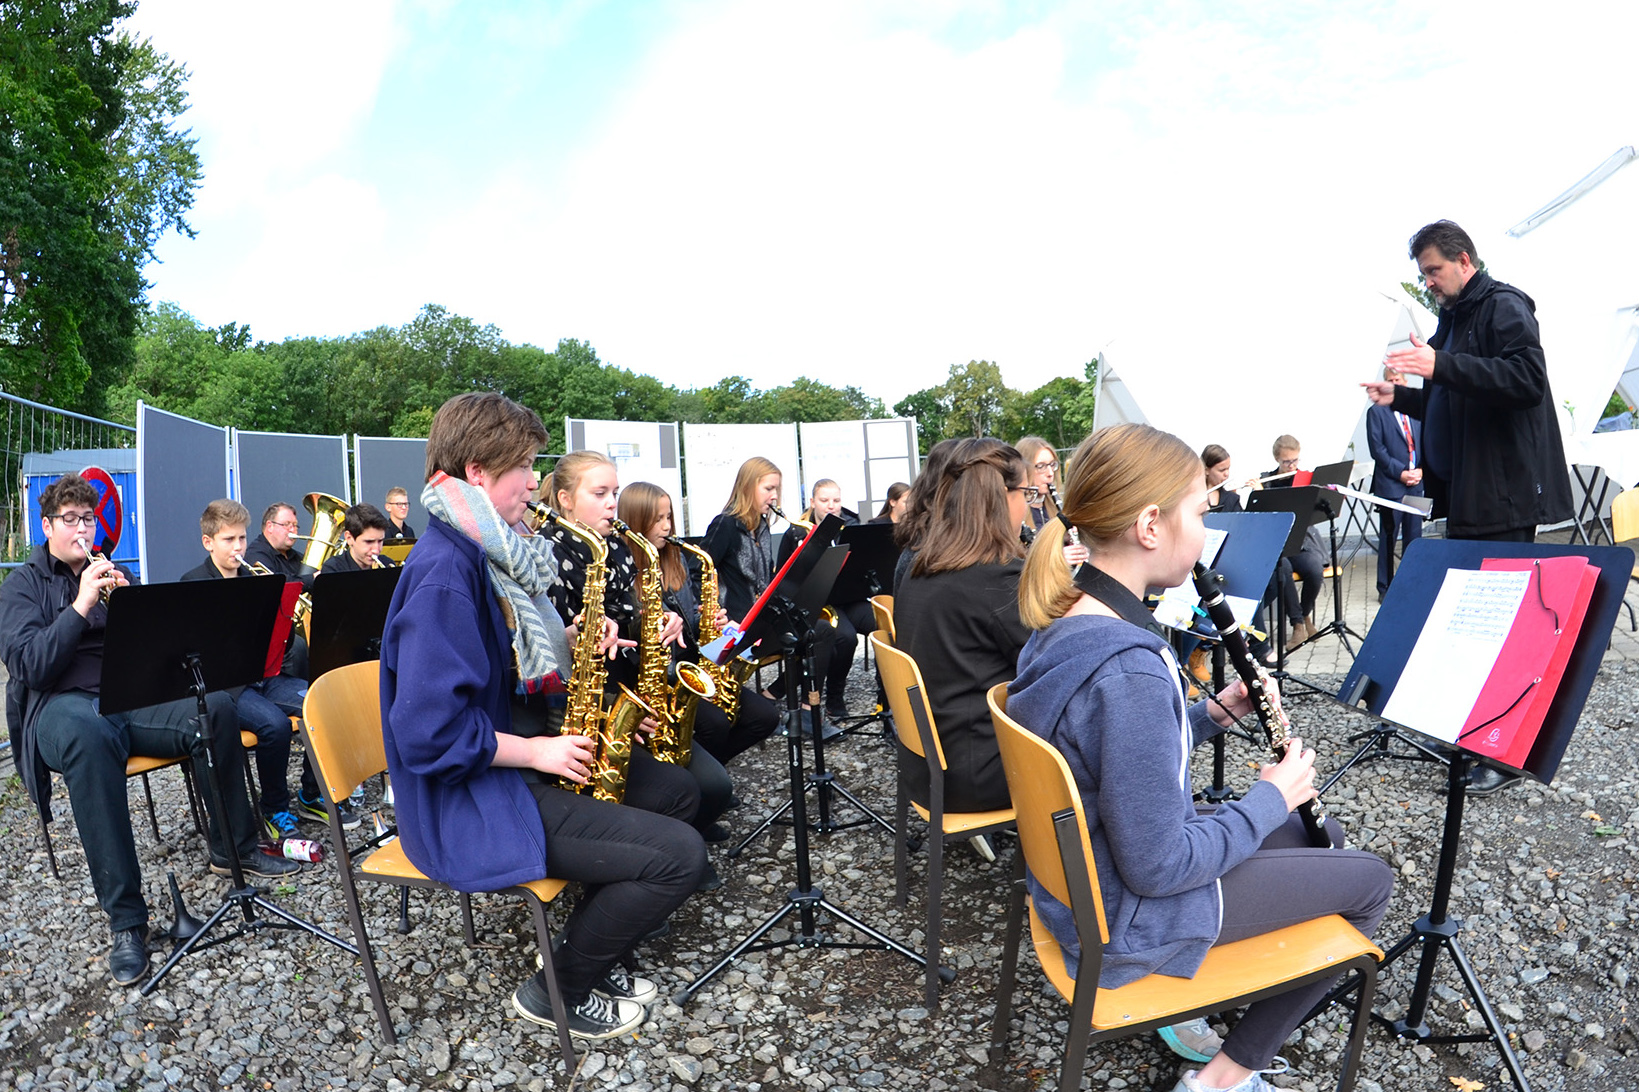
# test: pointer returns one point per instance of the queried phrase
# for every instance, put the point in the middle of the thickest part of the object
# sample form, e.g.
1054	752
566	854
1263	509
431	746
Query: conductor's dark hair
1448	237
363	517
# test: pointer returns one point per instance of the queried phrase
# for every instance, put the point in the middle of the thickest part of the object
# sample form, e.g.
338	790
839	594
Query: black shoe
733	802
598	1017
836	712
710	880
653	934
714	833
617	985
261	865
128	958
1485	780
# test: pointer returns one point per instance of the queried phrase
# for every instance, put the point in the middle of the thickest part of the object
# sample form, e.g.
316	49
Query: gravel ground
1545	887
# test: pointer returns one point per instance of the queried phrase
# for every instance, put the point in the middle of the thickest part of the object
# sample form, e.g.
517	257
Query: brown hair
70	489
567	474
223	513
364	517
485	428
895	491
742	502
1212	455
640	507
1115	474
968	522
909	528
1284	442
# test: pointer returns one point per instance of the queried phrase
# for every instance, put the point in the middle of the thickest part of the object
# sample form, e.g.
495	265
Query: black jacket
288	565
729	544
42	634
1492	451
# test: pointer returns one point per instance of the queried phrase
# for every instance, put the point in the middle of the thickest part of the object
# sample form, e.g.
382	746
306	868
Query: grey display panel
182	465
281	466
383	462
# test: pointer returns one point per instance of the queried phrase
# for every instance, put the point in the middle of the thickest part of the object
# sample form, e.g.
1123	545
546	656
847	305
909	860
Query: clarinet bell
186	925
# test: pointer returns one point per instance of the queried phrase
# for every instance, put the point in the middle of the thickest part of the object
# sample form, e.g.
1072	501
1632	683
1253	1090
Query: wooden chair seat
1230	971
141	766
388	863
963	821
137	765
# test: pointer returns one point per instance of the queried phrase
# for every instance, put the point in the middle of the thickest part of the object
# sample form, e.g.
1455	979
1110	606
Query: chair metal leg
1357	1029
543	936
403	910
1002	1019
51	853
936	882
467	930
902	833
153	819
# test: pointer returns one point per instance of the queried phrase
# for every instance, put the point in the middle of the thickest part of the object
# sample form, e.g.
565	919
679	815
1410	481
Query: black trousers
756	721
90	750
852	620
638	862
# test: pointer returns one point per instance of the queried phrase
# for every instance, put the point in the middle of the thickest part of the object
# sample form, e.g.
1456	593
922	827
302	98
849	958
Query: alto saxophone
610	730
673	741
726	677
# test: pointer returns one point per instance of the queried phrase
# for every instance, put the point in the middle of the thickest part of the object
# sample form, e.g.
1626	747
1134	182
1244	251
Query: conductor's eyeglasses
75	519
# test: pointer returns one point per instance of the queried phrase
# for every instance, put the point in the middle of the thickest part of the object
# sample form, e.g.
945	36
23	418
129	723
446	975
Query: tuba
726	677
610	730
673	741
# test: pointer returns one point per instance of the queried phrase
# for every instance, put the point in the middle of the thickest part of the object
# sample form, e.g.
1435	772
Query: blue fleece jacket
445	692
1106	694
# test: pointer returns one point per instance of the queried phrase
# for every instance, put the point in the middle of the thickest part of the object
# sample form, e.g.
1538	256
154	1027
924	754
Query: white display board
712	455
644	451
863	457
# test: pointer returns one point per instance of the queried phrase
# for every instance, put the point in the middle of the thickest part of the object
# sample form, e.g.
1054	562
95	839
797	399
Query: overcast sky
868	192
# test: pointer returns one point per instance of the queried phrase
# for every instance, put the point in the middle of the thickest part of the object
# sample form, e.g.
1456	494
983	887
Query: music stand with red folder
1377	671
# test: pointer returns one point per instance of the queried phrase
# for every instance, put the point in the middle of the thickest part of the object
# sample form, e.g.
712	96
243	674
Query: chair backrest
882	609
1625	515
1043	788
899	674
342	714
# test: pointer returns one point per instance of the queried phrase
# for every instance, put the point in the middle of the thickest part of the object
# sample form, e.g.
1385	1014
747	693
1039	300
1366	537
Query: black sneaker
598	1017
128	958
714	833
617	985
261	865
710	880
314	810
1487	780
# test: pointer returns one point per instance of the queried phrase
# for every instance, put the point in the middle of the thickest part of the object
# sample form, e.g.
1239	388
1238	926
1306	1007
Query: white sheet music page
1456	651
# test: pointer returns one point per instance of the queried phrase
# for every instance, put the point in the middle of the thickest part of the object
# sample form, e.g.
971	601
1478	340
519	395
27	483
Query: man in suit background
1395	443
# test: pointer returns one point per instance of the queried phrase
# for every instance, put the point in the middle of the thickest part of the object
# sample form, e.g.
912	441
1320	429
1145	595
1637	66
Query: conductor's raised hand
1380	393
1293	775
1417	360
568	756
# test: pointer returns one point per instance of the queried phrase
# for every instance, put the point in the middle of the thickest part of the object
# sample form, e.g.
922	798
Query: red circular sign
109	512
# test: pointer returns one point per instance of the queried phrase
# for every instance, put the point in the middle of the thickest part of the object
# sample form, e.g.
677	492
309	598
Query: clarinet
1277	728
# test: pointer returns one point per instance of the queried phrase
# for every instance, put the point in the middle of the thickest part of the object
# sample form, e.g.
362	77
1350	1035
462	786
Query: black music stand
1311	505
872	552
1373	678
787	623
812	572
349	614
1252	548
165	642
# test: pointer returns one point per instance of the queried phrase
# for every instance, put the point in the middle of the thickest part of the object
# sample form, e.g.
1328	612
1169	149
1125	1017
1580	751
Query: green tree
92	172
930	407
977	397
1051	411
810	400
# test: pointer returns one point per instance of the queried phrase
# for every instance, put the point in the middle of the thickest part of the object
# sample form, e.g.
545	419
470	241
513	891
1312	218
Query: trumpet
382	561
304	601
96	555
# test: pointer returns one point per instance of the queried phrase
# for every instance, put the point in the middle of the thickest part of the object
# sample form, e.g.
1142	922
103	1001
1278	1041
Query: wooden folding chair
141	766
341	728
1055	845
1625	526
882	608
914	724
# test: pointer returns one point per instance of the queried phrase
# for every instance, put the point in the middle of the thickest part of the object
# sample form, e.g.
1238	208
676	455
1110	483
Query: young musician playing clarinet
478	806
1104	689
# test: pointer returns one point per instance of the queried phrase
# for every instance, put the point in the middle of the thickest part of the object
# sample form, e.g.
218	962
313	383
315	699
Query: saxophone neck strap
1115	595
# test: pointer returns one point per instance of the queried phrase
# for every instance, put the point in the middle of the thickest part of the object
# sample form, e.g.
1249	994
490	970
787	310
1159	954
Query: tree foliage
92	173
973	401
389	381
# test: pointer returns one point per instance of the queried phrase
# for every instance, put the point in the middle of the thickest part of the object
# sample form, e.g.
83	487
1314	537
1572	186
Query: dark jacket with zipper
1492	452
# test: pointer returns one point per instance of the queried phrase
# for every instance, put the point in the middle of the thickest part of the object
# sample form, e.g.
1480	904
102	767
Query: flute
1277	728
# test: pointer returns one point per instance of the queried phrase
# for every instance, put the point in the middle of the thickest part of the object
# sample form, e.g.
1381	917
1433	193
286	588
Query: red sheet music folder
281	629
1516	696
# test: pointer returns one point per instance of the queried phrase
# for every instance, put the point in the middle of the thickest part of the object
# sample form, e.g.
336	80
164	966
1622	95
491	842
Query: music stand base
243	899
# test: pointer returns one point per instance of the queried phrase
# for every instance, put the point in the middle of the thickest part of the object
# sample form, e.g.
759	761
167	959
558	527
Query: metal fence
29	428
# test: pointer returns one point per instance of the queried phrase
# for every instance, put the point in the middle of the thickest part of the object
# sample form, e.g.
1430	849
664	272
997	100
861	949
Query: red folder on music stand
1521	686
282	623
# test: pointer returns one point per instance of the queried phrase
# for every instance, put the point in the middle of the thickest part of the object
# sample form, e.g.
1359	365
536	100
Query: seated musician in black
266	707
276	548
363	530
1309	563
398	511
53	620
834	657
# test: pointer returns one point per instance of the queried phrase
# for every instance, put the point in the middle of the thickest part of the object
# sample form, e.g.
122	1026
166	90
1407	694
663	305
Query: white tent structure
1240	375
